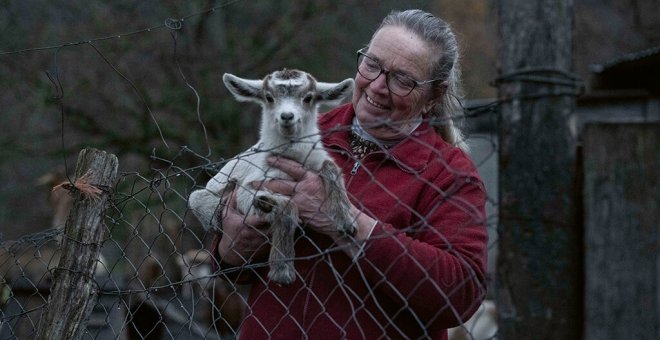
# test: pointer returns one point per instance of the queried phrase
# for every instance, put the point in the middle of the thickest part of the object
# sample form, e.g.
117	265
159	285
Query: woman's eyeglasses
398	83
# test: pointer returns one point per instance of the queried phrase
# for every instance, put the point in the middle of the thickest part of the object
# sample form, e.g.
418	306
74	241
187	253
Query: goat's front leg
252	201
338	206
283	223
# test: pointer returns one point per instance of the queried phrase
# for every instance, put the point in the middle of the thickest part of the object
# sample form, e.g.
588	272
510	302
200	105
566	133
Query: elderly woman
417	263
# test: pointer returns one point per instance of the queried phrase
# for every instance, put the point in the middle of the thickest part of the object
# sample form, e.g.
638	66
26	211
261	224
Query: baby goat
290	101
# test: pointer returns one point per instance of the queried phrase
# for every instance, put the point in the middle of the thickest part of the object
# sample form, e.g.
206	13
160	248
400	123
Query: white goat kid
290	101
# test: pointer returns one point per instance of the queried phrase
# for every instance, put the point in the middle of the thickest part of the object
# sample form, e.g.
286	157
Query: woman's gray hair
447	114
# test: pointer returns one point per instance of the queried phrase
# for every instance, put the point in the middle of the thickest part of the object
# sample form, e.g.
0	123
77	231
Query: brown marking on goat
286	90
286	74
242	91
312	82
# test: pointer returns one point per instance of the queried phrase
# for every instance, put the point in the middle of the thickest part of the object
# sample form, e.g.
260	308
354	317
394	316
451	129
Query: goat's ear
243	89
331	93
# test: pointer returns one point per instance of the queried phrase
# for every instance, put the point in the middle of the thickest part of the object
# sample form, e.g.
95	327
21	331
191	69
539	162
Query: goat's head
289	98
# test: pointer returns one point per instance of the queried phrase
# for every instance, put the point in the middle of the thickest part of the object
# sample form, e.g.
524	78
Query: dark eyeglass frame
360	53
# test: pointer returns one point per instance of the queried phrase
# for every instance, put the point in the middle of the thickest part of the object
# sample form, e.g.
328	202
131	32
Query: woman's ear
437	95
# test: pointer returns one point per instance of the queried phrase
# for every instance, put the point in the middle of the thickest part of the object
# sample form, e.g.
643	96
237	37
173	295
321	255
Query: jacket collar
412	154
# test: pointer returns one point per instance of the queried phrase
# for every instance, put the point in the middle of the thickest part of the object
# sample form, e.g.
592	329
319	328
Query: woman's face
383	114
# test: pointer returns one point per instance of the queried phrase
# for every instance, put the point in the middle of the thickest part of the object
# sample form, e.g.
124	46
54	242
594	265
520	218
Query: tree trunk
74	291
539	277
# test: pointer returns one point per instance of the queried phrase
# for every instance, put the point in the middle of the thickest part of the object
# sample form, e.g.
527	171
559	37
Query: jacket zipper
356	166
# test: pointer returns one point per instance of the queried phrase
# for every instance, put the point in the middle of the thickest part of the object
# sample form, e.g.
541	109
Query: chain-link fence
155	274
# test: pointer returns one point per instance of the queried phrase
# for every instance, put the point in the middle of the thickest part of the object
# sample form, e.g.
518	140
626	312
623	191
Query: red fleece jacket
423	267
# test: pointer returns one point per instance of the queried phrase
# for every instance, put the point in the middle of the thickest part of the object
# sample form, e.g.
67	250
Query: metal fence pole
74	289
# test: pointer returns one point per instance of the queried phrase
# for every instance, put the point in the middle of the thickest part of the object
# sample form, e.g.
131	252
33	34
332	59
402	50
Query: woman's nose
379	84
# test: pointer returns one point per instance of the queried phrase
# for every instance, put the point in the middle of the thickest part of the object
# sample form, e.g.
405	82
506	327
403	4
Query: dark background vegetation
155	91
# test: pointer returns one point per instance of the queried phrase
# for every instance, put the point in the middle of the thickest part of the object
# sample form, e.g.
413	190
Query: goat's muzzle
288	129
288	125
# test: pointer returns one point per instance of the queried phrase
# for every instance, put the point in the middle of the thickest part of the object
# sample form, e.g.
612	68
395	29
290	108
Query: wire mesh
158	278
156	273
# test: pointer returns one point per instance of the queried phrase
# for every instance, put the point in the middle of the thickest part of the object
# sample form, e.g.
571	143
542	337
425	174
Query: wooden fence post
538	288
622	238
74	291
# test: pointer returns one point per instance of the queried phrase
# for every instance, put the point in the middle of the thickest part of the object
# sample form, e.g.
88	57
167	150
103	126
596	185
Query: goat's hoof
212	227
282	274
347	226
264	204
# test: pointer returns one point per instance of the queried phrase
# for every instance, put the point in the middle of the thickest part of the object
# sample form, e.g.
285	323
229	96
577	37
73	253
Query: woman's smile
374	103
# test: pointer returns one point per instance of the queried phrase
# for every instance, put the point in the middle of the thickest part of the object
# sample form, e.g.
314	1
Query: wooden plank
622	238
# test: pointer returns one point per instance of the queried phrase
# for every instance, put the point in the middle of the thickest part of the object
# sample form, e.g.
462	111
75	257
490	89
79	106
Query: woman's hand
243	237
308	194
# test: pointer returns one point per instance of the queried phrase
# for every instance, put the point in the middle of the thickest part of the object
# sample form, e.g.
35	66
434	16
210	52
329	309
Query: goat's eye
269	98
308	98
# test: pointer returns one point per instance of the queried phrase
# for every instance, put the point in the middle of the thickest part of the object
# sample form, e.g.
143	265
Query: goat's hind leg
283	224
207	205
339	207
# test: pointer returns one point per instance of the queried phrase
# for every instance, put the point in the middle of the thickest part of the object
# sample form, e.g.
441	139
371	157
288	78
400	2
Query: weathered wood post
538	288
622	238
74	291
